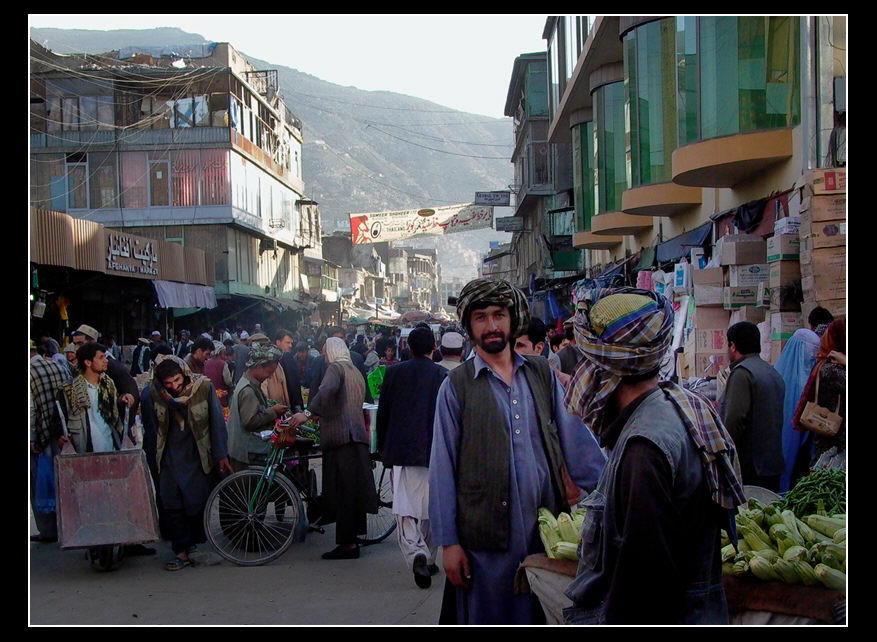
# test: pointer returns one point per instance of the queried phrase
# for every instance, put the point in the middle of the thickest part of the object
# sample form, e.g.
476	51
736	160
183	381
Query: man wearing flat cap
672	479
500	436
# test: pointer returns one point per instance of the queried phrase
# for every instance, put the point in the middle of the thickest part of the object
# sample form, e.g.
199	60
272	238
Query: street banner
378	227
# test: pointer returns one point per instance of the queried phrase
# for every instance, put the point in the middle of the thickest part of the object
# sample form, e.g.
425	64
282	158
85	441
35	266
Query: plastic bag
376	380
44	501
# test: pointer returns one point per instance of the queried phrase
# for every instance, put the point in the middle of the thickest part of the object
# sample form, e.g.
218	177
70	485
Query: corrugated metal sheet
89	244
51	238
172	259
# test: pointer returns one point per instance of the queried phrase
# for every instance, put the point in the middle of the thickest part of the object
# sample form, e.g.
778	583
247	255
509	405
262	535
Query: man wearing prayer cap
249	410
500	438
672	480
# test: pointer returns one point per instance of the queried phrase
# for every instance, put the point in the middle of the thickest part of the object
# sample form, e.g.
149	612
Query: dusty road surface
299	588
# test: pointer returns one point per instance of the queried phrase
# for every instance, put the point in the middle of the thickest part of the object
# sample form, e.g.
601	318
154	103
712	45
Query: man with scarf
650	550
249	410
185	441
501	436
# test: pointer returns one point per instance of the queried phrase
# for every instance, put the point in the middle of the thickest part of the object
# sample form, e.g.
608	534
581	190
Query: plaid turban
263	353
627	331
495	292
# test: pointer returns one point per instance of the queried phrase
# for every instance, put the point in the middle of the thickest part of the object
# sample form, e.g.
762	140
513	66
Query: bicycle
253	516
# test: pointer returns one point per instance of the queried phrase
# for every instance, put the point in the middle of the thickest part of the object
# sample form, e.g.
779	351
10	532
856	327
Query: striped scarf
627	331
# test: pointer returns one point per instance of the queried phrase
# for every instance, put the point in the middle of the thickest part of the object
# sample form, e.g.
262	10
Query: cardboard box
710	318
682	277
742	249
837	307
697	258
762	297
826	234
708	295
780	299
830	262
831	180
784	324
783	247
708	276
682	369
709	341
828	207
740	275
787	225
737	297
819	287
749	313
784	273
706	365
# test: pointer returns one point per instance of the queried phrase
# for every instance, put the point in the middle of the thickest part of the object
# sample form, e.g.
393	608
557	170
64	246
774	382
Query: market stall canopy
413	316
674	249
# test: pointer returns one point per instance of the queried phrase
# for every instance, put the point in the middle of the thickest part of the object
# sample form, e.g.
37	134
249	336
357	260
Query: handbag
819	420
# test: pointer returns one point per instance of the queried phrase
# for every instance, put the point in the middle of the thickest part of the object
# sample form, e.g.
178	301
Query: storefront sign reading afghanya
131	255
393	226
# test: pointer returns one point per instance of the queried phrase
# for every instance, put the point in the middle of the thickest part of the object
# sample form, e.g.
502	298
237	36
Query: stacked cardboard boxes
820	198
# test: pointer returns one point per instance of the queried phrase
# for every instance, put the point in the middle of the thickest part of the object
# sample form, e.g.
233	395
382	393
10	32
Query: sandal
177	563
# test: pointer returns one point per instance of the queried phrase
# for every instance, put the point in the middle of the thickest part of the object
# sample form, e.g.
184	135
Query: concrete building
194	147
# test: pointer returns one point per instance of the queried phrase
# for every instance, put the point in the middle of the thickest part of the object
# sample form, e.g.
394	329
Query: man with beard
185	442
501	437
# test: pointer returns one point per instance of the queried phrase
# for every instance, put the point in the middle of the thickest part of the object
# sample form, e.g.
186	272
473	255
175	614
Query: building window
748	74
610	148
159	183
649	52
583	175
77	181
102	180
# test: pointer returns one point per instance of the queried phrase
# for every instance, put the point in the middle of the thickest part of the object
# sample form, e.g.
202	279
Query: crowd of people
482	423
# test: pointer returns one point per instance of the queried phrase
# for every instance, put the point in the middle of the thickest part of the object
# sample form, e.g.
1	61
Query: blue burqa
794	365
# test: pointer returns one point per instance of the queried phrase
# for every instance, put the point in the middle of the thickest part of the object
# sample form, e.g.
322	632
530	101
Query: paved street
297	589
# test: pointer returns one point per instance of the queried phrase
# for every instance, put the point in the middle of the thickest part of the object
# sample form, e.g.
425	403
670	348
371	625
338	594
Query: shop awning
676	248
172	294
276	302
646	259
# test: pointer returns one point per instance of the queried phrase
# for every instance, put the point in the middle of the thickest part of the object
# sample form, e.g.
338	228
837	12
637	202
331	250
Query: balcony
592	241
660	199
729	160
619	224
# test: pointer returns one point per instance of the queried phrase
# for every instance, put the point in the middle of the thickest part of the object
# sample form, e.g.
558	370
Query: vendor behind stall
650	549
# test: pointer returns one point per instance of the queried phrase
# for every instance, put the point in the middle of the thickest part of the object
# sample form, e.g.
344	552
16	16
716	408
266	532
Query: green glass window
583	175
610	149
651	89
747	78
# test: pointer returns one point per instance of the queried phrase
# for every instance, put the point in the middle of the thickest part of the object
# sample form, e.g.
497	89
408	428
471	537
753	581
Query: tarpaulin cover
184	295
676	248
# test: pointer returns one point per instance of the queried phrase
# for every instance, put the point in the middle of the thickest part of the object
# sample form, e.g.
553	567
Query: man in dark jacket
752	408
406	412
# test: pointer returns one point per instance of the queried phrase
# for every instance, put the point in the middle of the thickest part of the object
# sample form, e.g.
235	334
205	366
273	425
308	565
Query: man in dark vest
500	436
752	408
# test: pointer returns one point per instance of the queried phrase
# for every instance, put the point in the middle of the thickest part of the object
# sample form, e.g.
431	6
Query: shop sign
131	255
498	198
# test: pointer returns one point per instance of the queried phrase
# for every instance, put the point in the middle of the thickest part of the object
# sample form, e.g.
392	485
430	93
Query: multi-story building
675	122
195	148
416	276
542	188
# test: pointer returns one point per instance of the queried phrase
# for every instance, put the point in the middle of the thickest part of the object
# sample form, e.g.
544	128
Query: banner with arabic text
379	227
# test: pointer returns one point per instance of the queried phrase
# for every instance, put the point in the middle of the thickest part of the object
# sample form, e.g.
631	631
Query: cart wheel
106	558
251	523
380	524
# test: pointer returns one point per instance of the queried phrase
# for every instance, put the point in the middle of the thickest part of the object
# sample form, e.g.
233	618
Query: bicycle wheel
382	523
251	523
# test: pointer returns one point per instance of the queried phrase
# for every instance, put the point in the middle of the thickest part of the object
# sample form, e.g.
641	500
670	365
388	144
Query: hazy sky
459	61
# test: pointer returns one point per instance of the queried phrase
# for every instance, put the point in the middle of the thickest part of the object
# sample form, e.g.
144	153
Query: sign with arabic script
379	227
131	255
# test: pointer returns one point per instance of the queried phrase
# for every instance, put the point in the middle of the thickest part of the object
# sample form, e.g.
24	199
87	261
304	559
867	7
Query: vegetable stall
788	565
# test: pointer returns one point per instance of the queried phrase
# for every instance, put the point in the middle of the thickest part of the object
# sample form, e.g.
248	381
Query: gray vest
483	464
761	446
703	602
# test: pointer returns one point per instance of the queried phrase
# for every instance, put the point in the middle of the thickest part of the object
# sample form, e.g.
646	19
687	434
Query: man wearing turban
651	536
500	438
